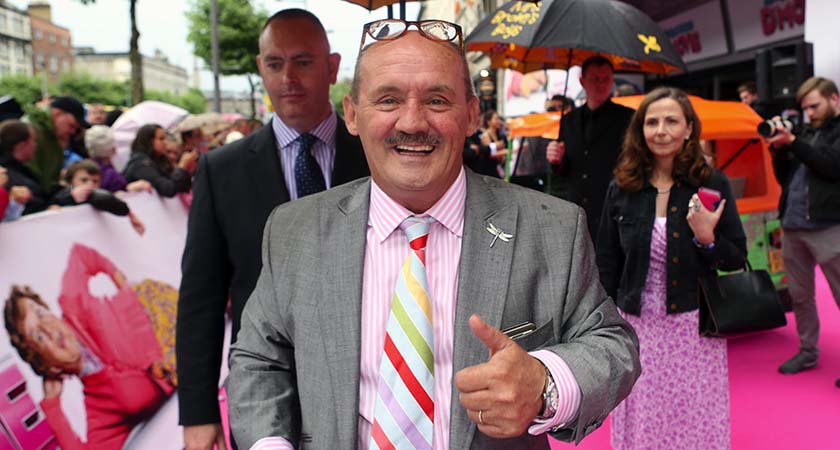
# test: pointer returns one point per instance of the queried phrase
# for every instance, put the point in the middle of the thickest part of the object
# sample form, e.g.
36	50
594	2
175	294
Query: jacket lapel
344	226
269	185
490	265
350	162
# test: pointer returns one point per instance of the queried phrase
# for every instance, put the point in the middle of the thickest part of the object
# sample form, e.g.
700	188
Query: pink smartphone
710	198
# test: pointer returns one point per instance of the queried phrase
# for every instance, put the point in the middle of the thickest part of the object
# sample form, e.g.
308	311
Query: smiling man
377	319
304	149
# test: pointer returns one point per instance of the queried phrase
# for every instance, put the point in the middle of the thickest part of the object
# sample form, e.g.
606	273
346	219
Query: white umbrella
126	126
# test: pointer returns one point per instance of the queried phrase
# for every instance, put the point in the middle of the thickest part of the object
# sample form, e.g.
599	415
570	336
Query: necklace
658	192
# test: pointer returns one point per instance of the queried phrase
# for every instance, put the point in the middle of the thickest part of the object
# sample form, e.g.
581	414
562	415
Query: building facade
467	14
15	41
158	73
52	45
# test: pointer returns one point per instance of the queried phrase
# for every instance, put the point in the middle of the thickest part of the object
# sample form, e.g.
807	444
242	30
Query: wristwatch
550	398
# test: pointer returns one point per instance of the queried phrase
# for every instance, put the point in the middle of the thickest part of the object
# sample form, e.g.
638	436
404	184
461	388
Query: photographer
807	165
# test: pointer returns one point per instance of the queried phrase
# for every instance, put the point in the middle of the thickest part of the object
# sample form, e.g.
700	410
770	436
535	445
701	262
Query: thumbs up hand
503	395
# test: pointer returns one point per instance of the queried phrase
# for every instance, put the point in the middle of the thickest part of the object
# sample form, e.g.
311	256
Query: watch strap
550	397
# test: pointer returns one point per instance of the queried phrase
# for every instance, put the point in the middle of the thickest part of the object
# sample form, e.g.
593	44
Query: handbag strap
747	265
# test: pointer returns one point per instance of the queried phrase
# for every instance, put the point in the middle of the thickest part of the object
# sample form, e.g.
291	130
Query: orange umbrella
733	125
370	5
721	120
546	125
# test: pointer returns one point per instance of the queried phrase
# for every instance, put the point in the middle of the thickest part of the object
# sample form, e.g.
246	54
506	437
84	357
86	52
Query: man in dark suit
304	149
590	141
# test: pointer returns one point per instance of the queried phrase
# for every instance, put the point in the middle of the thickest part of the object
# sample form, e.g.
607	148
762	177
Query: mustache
400	138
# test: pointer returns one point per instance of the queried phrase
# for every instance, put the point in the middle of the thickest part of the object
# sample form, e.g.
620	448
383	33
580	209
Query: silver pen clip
519	331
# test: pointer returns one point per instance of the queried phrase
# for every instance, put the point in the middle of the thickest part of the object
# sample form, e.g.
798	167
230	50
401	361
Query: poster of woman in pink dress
119	346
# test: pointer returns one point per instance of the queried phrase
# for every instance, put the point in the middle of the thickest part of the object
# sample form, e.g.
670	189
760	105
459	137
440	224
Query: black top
819	150
21	175
100	199
588	163
141	167
624	241
480	162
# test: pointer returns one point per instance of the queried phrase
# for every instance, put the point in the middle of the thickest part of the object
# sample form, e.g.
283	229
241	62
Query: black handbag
737	303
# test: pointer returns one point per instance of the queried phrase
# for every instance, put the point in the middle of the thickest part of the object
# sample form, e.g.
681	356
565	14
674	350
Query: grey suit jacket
295	365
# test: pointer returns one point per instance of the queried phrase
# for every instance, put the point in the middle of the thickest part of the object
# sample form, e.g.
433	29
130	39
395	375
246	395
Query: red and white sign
760	22
697	33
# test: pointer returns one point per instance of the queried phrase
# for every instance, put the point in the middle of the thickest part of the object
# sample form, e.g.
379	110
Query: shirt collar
386	215
594	112
324	131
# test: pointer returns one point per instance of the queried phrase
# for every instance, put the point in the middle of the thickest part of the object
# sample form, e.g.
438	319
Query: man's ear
473	114
350	115
334	61
259	65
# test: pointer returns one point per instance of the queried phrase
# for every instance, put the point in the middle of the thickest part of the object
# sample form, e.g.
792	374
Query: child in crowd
83	186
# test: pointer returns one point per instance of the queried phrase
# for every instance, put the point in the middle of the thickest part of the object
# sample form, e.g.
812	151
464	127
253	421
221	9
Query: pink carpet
769	410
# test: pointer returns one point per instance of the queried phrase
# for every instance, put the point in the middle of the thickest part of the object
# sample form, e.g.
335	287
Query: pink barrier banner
87	353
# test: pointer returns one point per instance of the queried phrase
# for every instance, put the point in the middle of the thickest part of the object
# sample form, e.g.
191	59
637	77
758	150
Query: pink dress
681	400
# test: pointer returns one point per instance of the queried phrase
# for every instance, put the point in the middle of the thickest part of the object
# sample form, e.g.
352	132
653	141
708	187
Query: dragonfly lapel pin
498	234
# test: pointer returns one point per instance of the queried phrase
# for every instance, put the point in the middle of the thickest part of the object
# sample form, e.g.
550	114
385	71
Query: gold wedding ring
480	419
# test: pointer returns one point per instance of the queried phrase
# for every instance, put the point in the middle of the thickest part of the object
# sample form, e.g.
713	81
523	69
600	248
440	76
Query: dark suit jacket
235	189
586	171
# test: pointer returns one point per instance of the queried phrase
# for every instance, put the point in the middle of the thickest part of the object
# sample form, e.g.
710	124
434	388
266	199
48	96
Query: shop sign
698	32
760	22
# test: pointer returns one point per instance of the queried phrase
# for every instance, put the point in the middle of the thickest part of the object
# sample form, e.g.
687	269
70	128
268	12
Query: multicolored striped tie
404	415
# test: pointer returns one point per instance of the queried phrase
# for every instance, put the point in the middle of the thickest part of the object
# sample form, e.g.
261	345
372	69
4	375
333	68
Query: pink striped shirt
385	251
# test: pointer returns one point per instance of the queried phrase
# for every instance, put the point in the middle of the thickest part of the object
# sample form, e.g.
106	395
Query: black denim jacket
624	244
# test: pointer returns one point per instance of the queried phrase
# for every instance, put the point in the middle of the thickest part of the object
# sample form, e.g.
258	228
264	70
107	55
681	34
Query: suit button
585	200
673	209
673	306
584	176
676	260
675	283
676	235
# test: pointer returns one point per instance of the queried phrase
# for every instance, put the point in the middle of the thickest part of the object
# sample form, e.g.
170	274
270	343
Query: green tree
239	31
88	89
26	89
193	100
133	53
337	93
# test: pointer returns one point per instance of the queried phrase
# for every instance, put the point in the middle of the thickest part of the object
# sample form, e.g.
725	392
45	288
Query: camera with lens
770	127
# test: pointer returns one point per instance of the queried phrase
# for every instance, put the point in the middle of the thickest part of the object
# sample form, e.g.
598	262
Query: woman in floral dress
655	240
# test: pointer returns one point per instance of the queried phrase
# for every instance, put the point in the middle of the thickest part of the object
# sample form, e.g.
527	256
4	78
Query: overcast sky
163	25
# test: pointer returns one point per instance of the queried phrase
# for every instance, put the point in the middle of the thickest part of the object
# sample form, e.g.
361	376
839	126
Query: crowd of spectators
62	154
